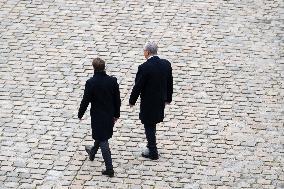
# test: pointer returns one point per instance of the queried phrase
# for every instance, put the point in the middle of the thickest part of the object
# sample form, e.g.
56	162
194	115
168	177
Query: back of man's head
151	47
98	64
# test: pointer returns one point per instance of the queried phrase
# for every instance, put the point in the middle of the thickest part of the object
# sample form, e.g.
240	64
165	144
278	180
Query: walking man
154	84
102	91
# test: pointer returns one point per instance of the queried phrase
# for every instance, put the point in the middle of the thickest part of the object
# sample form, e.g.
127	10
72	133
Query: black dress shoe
90	152
152	157
109	172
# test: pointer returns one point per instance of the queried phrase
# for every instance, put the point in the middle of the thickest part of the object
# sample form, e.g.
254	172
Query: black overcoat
102	91
154	84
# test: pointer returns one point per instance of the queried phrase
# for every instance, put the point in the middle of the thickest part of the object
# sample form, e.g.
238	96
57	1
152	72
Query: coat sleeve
169	85
85	101
139	84
117	100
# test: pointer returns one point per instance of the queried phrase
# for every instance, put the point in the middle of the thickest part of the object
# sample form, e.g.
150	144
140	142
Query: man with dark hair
102	91
98	64
154	84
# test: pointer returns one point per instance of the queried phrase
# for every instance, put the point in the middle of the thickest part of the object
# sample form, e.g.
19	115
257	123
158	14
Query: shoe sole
109	175
89	154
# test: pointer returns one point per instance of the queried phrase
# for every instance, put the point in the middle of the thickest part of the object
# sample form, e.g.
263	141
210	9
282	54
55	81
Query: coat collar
155	57
99	73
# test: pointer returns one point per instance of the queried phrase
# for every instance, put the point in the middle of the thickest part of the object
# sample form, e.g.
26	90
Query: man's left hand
115	119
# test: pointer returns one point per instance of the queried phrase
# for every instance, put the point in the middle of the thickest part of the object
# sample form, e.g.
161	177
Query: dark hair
98	64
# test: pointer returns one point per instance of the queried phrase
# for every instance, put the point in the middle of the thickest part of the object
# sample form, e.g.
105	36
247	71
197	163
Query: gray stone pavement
224	128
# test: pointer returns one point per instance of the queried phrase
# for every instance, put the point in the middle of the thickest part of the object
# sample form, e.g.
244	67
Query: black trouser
150	131
105	152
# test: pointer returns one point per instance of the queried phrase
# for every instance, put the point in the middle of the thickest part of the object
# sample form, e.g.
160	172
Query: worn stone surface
224	128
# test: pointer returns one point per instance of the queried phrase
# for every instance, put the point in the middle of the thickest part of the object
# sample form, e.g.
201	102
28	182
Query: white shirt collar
151	56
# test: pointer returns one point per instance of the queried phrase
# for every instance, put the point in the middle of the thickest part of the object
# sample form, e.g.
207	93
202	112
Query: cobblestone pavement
224	128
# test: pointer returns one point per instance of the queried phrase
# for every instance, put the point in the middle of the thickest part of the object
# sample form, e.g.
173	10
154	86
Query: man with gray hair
154	85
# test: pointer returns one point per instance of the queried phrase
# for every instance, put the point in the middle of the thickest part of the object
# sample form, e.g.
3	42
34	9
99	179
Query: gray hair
152	47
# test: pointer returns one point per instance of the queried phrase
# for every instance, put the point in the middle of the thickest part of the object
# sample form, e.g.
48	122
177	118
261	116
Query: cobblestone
224	128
